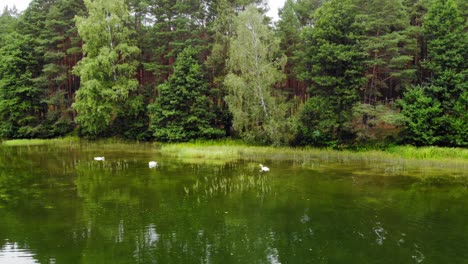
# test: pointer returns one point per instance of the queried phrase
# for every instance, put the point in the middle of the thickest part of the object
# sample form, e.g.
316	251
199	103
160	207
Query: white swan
152	164
99	158
263	168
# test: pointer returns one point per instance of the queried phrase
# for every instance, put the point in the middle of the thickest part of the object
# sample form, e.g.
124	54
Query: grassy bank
433	153
233	150
101	145
35	142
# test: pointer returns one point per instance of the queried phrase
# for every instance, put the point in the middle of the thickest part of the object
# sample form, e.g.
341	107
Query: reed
229	185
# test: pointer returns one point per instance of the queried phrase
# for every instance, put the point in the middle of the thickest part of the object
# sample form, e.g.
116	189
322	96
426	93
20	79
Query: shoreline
228	149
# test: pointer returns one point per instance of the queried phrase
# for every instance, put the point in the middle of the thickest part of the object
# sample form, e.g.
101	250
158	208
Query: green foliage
333	65
446	36
222	29
8	23
423	115
182	110
20	104
376	124
178	24
288	30
317	123
259	115
436	113
389	42
350	56
60	48
447	44
49	26
458	135
305	10
108	68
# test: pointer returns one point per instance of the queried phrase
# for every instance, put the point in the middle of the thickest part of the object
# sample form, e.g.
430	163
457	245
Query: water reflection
12	253
273	256
64	207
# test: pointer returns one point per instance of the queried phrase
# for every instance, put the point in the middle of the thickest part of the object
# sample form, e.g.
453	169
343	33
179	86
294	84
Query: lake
59	205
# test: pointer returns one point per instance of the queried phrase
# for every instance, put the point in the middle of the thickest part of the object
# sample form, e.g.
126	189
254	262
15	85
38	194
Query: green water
58	205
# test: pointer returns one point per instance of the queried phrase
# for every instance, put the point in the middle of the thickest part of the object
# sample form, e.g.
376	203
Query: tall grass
435	153
226	151
211	150
99	146
34	142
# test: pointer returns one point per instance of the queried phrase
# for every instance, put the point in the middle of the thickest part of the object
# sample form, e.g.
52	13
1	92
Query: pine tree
61	47
389	44
8	22
305	10
446	40
333	64
447	44
446	89
416	10
423	117
50	26
182	110
177	25
20	105
288	29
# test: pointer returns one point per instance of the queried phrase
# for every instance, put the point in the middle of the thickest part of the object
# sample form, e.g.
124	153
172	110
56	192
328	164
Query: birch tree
259	112
108	68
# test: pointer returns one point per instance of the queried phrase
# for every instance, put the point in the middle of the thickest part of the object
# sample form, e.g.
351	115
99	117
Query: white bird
263	168
152	164
99	158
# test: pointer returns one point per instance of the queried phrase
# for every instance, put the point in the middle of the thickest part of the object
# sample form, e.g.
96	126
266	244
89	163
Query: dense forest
336	73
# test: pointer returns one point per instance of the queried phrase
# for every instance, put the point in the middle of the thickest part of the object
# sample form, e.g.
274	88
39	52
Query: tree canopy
108	67
183	109
255	67
337	73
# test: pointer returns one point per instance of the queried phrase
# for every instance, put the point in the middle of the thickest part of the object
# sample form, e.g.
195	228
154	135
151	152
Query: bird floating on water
99	158
152	164
263	168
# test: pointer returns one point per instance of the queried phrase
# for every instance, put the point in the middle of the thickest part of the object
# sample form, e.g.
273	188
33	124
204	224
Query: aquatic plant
227	185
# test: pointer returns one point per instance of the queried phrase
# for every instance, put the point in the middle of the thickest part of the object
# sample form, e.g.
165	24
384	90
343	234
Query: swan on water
263	168
152	164
99	158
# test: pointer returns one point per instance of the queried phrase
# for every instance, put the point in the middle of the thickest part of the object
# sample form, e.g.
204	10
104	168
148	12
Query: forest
327	73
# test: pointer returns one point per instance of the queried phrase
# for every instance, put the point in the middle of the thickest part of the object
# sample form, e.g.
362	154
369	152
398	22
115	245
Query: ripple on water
381	234
417	255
